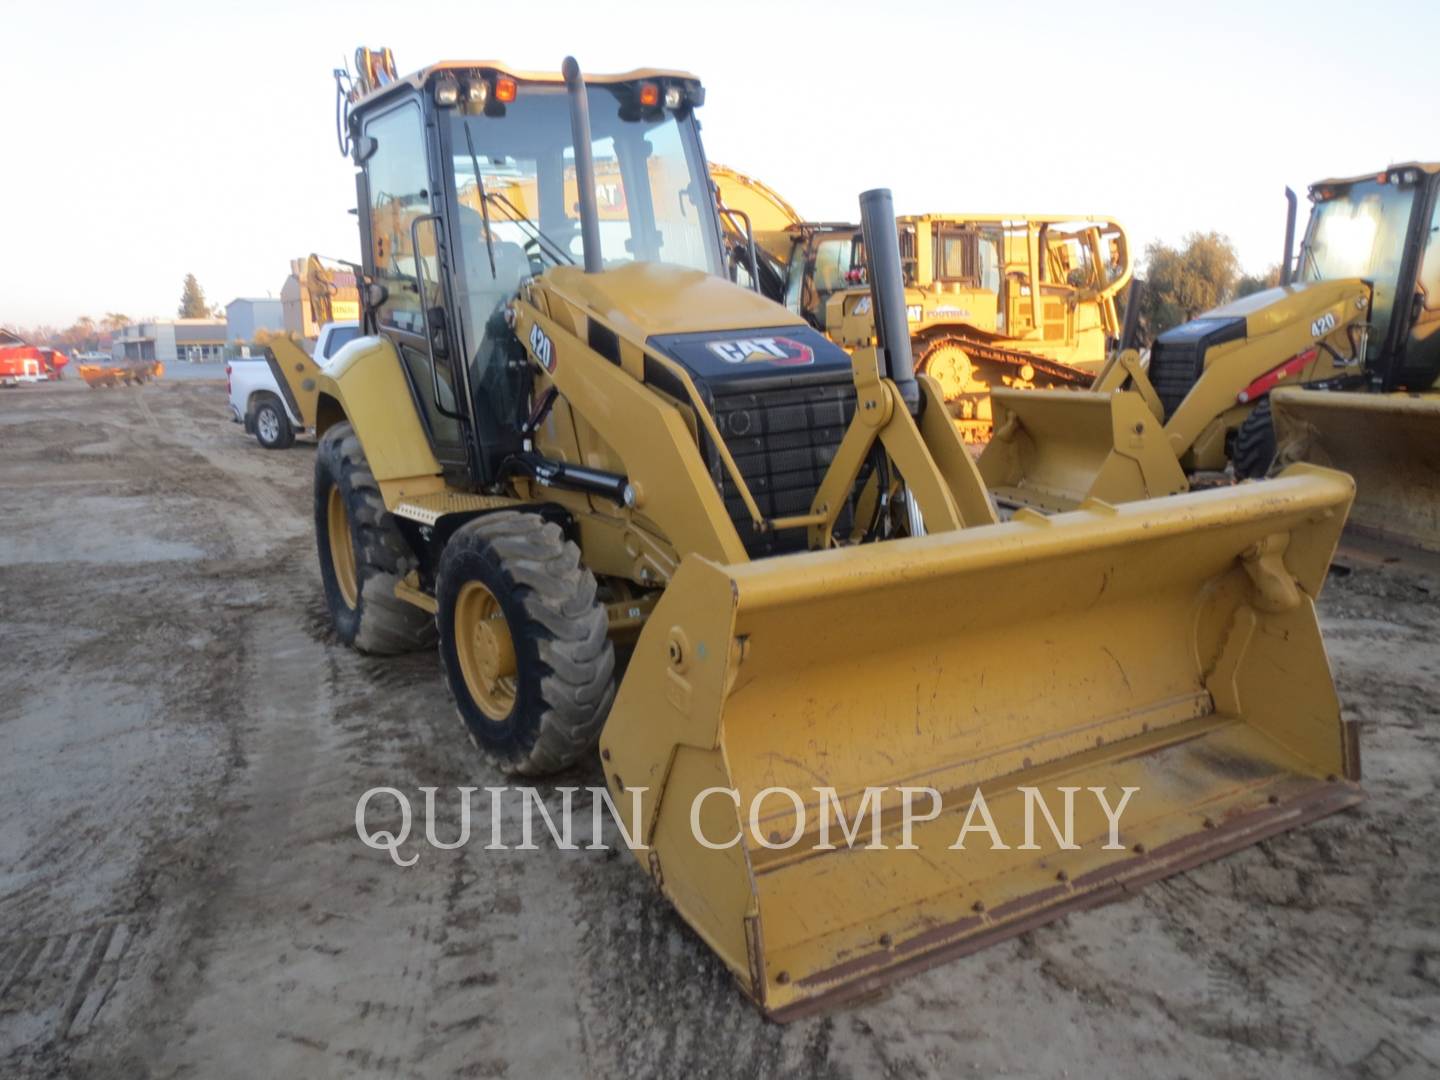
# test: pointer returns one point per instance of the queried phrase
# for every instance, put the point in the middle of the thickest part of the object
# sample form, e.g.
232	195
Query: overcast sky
141	141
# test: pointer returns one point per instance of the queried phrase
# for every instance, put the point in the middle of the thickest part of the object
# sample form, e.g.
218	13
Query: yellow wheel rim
948	365
486	651
342	548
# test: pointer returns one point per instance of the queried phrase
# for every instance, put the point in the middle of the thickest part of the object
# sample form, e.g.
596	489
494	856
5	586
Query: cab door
403	254
1419	361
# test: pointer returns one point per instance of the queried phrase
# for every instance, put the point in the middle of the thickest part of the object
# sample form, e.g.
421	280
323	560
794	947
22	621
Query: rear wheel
523	641
273	430
1254	451
362	554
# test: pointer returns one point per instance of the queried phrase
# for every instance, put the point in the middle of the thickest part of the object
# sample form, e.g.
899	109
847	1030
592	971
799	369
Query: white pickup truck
264	401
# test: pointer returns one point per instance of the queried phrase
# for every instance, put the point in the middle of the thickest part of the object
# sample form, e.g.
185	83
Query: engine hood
1272	309
642	300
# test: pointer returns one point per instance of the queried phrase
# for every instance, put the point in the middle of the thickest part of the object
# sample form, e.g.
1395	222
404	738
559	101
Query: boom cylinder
887	292
584	164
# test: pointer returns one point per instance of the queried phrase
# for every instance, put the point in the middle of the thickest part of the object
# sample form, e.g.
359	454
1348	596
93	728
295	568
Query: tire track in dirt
263	939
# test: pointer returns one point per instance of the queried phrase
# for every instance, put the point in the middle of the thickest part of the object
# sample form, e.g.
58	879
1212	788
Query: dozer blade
1169	646
1390	444
1052	449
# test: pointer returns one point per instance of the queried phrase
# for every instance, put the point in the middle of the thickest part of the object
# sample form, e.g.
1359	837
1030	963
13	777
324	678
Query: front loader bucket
1390	444
1052	449
1170	646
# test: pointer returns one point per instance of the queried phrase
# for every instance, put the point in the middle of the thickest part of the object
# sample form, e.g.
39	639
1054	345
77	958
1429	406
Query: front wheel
1254	451
524	642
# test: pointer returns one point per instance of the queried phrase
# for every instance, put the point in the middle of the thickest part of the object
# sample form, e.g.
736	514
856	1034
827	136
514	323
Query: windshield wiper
517	217
484	202
512	213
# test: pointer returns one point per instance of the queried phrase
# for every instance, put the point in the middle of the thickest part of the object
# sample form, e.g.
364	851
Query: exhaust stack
584	164
887	292
1130	329
1288	261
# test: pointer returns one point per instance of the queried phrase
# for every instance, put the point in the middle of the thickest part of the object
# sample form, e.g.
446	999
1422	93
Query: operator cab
1385	230
467	183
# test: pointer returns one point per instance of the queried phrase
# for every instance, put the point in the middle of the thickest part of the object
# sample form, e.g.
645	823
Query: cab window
398	186
832	262
340	336
1430	265
398	183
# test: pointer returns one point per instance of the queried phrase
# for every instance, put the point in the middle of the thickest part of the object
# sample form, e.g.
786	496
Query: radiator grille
1174	367
783	440
1177	359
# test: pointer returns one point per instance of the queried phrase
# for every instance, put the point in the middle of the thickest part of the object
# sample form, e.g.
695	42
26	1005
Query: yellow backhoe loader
1016	300
1381	424
565	431
1359	311
751	211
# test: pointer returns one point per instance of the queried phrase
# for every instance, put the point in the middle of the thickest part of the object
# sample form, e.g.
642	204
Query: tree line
90	333
1203	272
1181	282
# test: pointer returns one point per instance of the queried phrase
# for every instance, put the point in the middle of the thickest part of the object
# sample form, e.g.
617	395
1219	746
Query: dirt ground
182	893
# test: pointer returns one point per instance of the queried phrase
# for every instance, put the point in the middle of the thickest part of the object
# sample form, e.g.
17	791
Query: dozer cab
567	437
1353	312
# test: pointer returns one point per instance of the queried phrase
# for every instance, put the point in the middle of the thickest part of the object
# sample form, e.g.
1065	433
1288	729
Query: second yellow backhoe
1341	360
564	431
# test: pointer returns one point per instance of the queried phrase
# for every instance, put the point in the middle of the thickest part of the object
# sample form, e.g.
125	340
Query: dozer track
1014	359
990	364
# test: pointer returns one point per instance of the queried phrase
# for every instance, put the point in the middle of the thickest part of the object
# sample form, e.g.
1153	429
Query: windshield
1361	234
650	185
340	336
514	171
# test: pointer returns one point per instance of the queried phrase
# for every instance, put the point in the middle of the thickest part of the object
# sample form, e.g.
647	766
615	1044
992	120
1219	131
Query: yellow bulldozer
1345	353
1002	300
1015	300
565	431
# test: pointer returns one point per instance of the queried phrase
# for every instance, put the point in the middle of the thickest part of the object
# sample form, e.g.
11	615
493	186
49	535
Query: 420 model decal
542	347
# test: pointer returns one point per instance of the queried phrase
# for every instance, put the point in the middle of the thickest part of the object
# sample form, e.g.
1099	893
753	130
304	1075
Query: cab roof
1430	167
417	79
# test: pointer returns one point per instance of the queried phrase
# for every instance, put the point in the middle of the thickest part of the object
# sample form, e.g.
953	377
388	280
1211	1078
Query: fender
362	385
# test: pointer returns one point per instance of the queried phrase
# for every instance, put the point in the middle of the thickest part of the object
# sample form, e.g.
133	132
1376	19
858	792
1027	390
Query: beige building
171	341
